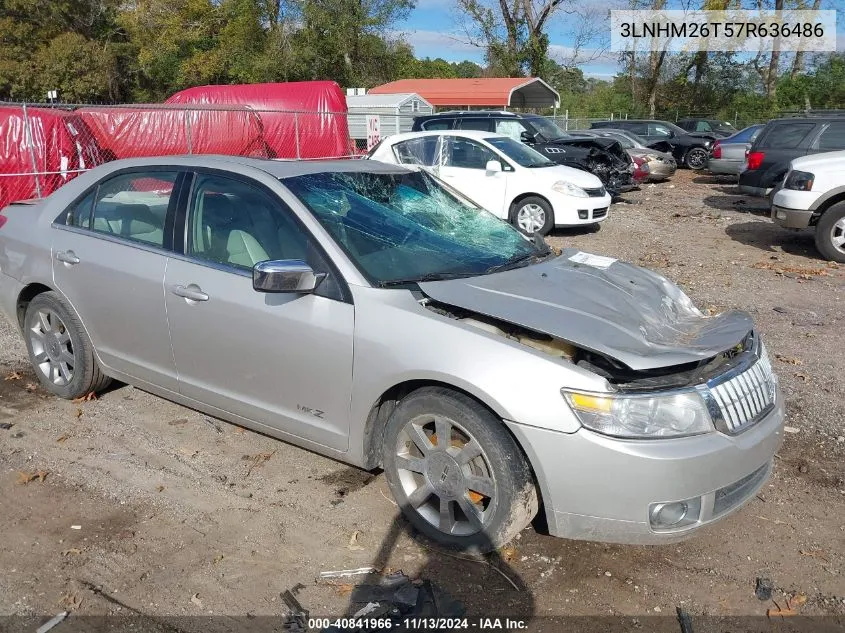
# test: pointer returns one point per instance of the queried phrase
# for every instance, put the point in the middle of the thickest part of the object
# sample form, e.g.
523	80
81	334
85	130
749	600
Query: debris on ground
802	272
684	620
24	477
353	542
214	425
62	438
30	387
763	588
70	601
6	425
49	624
255	461
88	397
788	360
791	429
178	422
345	573
297	619
196	600
13	375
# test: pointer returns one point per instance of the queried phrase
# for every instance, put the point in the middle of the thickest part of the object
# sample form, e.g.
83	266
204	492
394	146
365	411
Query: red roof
495	91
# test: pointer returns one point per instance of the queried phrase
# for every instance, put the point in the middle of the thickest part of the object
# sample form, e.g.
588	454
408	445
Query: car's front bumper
791	218
572	211
600	488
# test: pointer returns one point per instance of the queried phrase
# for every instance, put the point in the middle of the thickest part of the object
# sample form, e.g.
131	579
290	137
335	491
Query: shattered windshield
401	227
547	128
518	152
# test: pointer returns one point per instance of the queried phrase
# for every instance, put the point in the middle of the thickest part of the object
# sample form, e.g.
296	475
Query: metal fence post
566	120
296	132
188	133
31	143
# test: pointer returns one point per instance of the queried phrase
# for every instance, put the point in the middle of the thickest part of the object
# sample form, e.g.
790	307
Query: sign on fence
373	130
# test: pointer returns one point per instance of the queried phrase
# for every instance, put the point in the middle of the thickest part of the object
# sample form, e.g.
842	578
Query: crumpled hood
614	308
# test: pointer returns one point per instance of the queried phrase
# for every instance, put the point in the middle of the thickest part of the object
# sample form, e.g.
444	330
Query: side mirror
527	137
285	275
493	167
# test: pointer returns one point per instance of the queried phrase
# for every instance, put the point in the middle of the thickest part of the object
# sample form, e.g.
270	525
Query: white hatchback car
504	176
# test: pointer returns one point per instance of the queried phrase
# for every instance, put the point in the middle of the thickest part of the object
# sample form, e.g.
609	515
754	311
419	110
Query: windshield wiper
535	165
427	277
516	260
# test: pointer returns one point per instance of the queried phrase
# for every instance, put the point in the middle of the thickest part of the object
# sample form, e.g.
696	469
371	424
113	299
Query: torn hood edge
625	312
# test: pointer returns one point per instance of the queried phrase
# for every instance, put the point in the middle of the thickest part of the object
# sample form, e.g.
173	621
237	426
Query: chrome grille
746	397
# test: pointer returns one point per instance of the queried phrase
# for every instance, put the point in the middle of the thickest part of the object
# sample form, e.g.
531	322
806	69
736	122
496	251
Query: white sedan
504	176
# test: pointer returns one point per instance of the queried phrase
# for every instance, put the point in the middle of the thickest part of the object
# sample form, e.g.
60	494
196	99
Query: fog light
674	515
780	215
583	214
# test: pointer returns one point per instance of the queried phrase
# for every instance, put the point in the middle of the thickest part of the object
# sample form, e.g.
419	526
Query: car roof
276	168
479	134
479	113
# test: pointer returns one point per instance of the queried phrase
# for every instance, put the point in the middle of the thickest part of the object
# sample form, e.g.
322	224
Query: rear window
833	137
786	135
438	124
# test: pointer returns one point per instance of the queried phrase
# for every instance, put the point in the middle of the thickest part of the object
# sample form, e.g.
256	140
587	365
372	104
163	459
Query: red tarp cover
322	127
154	130
60	142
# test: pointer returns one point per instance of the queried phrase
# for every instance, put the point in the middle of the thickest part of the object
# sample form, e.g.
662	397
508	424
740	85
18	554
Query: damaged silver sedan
374	315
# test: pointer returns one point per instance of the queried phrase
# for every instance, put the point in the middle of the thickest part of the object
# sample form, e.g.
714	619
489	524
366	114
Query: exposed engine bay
603	157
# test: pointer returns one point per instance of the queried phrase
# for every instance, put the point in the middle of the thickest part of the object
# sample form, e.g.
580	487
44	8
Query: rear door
109	257
780	143
464	167
283	360
831	138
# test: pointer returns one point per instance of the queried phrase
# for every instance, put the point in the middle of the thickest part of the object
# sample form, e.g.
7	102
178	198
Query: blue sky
435	29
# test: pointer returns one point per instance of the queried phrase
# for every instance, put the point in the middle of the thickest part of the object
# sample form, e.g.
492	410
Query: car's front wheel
532	215
59	349
696	158
456	472
830	233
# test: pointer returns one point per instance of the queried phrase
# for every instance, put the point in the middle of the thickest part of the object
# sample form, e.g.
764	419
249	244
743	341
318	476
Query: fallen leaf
798	600
805	273
800	376
88	397
344	589
72	550
353	541
788	360
240	429
196	600
256	461
71	602
78	412
178	422
14	375
813	553
160	488
62	438
30	387
508	554
26	477
218	558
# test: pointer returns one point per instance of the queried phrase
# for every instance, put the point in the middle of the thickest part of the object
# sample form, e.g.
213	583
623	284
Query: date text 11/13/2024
418	624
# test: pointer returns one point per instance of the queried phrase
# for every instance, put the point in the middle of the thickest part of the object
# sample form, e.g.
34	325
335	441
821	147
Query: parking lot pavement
131	504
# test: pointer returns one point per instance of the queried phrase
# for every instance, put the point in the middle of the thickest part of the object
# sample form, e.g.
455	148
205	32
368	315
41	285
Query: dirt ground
146	507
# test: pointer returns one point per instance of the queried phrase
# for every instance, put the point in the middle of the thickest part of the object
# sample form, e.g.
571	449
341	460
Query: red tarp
58	141
155	130
320	126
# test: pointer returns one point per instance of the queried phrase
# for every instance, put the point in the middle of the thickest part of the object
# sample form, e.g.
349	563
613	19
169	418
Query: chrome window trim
117	239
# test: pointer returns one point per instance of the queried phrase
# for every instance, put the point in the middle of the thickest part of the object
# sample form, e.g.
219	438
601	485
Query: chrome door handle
68	257
192	292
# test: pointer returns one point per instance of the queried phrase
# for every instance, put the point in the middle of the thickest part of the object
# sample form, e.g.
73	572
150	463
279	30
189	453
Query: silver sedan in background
369	313
727	156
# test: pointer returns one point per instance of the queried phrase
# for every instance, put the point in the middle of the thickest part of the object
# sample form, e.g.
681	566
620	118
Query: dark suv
719	129
689	148
606	158
780	141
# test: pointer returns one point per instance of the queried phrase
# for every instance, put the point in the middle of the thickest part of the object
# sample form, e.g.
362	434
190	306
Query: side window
655	129
636	128
134	206
80	214
510	127
485	125
416	151
437	124
786	135
467	154
238	224
833	137
703	126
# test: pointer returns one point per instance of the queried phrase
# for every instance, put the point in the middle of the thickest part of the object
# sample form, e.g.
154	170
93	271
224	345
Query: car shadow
571	231
462	583
771	238
715	179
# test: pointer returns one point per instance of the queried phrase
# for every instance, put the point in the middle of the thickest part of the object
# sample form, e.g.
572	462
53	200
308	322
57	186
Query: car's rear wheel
456	472
830	233
59	349
696	158
532	215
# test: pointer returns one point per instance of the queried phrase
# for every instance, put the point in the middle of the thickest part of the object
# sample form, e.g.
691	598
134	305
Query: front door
282	360
463	165
109	256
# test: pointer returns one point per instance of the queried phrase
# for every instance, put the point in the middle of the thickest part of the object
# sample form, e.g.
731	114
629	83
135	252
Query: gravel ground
147	507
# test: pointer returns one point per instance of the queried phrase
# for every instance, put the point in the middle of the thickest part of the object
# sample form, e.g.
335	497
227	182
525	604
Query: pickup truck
813	195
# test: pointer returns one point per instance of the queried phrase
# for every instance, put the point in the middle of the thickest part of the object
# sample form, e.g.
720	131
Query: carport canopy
488	92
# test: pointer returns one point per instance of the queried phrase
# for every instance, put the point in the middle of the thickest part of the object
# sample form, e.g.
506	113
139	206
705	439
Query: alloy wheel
52	348
837	235
445	475
531	218
696	158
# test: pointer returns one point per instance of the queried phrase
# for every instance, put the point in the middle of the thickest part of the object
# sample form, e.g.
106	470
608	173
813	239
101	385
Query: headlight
568	189
641	416
799	181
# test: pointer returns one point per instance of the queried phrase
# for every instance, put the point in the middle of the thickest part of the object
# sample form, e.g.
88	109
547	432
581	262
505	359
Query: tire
59	349
430	483
526	215
696	158
830	233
